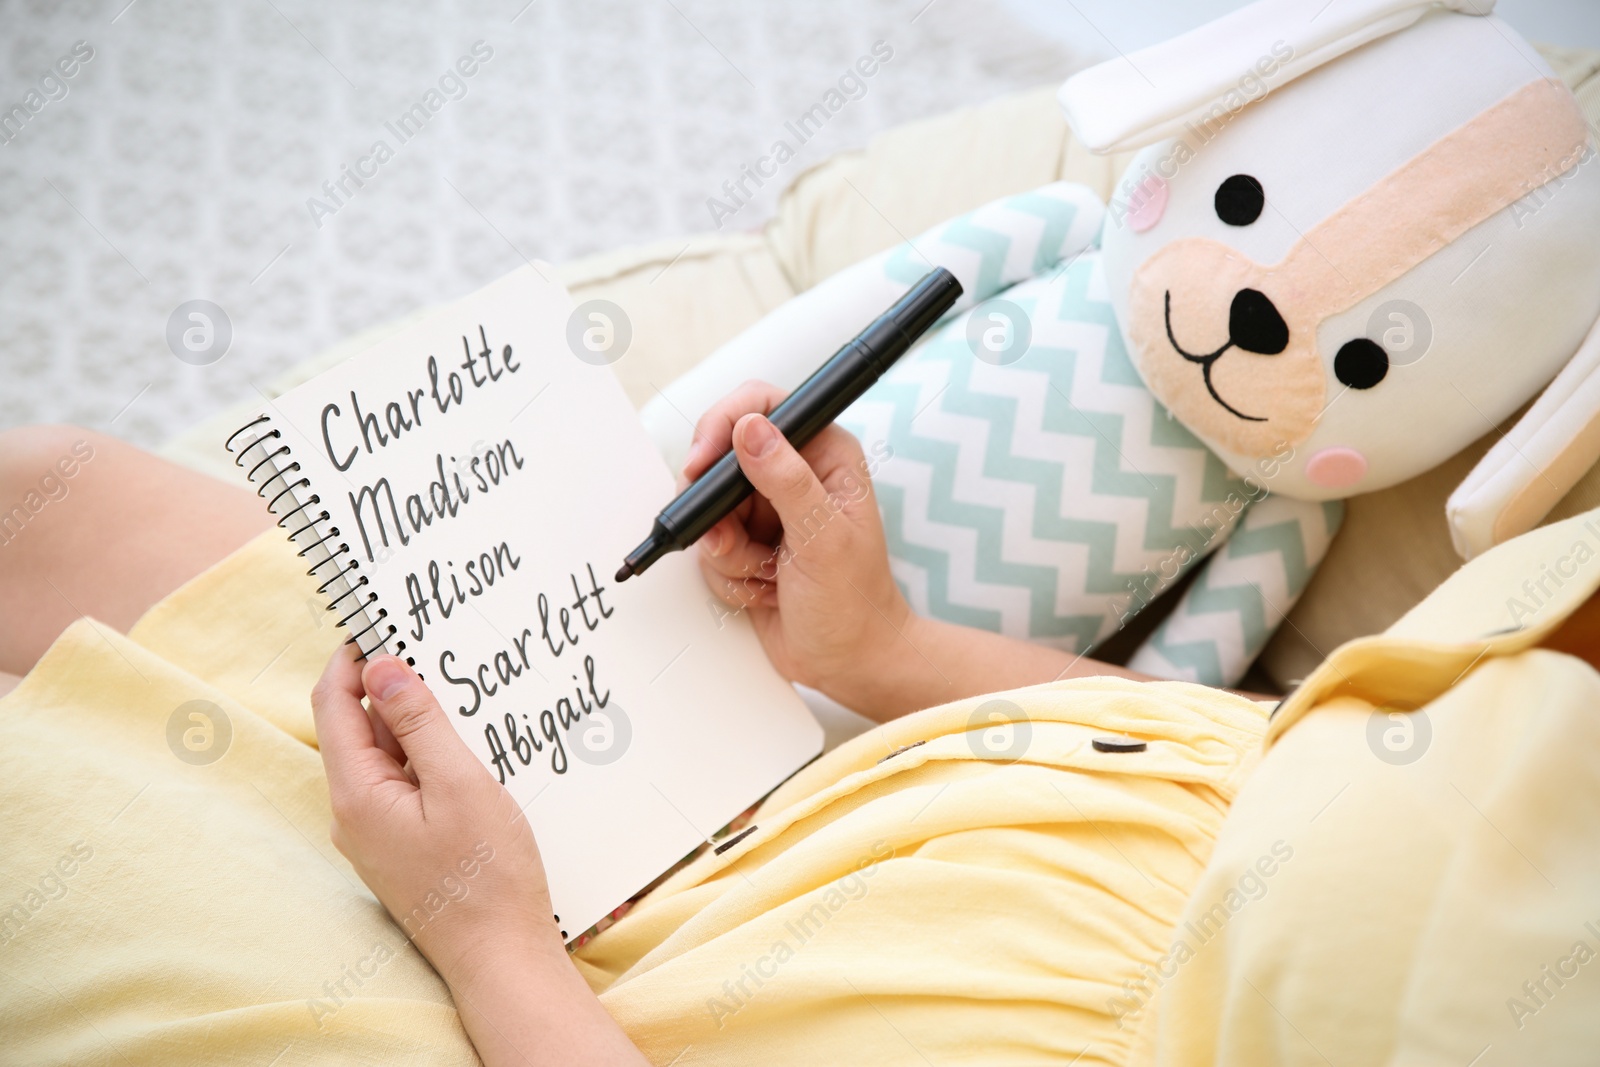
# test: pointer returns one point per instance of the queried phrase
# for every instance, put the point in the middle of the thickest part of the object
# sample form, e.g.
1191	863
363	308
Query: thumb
782	475
412	714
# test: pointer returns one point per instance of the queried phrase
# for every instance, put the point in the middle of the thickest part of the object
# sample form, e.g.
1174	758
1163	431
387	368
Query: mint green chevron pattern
991	232
1226	616
988	526
1053	498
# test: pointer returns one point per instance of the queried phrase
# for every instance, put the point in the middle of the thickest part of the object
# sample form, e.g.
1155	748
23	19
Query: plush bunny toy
1357	236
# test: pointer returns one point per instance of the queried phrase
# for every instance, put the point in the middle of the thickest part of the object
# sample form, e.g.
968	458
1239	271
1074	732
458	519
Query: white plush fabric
1151	94
1506	303
1557	440
791	341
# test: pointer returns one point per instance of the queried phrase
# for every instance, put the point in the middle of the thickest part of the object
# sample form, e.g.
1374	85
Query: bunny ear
1531	468
1138	99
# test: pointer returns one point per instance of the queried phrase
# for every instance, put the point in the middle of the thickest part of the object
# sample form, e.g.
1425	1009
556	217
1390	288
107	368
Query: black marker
803	414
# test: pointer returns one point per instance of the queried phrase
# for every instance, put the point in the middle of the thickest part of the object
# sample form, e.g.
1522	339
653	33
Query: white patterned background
179	162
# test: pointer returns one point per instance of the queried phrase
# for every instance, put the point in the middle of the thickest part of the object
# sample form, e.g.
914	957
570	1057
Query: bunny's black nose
1255	325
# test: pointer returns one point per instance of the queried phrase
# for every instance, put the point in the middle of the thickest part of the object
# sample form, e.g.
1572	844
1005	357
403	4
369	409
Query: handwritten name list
549	644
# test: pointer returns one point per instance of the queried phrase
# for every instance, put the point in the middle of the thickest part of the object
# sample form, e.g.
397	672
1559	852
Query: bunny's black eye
1239	200
1361	363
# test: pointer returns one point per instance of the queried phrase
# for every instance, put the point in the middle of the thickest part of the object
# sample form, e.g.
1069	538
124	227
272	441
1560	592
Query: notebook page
488	484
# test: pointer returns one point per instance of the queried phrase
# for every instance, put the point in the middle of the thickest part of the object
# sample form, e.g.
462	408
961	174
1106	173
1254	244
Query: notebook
463	493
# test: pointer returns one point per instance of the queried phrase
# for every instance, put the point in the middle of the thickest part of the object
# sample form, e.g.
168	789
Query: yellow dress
977	883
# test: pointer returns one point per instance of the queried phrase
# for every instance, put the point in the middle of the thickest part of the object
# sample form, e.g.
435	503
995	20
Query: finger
385	740
753	521
415	719
782	475
839	461
350	754
726	536
750	559
713	434
845	472
762	524
734	592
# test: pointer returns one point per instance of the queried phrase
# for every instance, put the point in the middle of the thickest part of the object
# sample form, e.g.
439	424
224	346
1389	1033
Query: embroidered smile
1253	326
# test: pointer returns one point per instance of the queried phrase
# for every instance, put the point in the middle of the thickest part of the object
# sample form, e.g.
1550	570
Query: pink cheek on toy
1150	198
1336	468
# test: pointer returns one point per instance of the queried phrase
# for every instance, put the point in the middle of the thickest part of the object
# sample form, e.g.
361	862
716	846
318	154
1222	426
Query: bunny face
1358	274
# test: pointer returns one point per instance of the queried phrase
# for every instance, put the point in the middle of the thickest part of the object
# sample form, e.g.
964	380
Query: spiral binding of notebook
269	465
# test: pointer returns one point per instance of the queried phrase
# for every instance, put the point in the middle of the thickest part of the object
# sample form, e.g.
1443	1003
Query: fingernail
694	454
385	676
717	541
760	436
